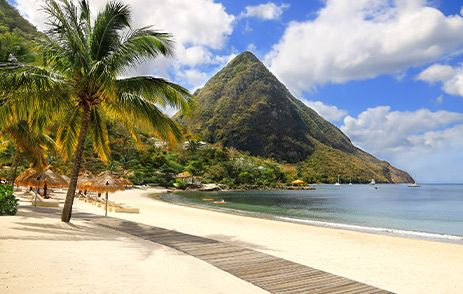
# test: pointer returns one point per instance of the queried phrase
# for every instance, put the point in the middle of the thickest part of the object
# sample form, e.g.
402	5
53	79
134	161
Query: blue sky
388	73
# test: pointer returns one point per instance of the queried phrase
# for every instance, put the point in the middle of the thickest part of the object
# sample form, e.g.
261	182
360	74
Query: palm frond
140	45
25	90
99	133
136	112
108	24
157	90
65	30
68	132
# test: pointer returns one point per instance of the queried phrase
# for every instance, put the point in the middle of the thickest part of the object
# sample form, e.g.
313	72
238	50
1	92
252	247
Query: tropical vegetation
8	203
78	85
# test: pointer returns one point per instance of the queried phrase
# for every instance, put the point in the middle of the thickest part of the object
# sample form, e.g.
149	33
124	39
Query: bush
8	203
181	184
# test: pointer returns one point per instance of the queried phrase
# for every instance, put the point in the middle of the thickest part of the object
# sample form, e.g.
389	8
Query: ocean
430	211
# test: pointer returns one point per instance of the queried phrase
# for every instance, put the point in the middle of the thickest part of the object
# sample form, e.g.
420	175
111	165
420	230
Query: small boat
221	201
350	184
413	185
372	182
208	199
337	183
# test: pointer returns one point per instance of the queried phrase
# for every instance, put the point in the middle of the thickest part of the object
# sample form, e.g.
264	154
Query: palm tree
81	80
24	129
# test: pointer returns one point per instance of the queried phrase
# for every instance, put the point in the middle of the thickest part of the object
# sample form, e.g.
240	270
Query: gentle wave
406	233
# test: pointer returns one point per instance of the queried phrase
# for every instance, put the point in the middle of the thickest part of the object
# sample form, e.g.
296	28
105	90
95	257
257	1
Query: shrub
181	184
8	203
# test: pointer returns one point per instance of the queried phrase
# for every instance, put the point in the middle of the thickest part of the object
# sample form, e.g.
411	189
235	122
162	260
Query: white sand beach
40	253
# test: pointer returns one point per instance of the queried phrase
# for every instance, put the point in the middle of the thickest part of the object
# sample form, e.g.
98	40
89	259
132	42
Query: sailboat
372	182
337	183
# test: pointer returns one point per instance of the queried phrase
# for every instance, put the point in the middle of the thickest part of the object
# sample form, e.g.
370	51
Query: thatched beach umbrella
104	183
19	181
297	182
85	180
185	175
45	179
126	182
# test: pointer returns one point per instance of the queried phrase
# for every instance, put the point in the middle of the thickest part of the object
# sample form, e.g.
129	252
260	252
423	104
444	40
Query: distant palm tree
81	80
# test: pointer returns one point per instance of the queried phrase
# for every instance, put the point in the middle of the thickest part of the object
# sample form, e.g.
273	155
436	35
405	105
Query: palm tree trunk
67	209
14	167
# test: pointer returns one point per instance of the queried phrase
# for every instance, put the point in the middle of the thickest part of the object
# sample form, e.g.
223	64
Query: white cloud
428	144
450	77
194	78
251	47
436	73
198	26
328	112
352	40
267	11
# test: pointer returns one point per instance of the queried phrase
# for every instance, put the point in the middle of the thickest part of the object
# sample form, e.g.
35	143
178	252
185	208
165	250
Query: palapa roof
106	182
84	180
184	174
297	182
19	179
125	181
38	178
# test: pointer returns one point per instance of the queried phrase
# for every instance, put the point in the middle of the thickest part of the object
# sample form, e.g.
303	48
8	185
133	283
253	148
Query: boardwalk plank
268	272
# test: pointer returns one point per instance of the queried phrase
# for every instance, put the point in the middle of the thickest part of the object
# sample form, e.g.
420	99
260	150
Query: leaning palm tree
81	80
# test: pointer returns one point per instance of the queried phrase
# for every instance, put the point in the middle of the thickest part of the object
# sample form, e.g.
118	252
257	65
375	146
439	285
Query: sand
397	264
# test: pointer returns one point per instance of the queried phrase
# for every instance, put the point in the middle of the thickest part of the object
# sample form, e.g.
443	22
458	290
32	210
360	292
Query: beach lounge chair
118	207
38	200
127	209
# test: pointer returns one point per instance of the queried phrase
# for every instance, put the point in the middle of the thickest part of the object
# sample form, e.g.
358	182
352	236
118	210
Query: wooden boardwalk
268	272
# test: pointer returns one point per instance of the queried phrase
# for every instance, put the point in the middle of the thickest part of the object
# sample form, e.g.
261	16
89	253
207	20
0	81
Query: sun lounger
118	207
38	200
126	209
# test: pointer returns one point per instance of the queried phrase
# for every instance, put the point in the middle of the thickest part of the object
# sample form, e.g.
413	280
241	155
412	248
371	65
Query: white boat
372	182
413	185
337	183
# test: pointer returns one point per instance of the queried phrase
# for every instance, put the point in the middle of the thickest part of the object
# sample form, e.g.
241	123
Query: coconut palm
30	142
81	80
24	129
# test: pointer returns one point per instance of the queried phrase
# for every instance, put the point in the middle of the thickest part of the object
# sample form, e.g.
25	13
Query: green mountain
12	21
246	107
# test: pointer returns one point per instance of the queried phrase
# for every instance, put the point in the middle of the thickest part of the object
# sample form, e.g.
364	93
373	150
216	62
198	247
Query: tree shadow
235	241
33	226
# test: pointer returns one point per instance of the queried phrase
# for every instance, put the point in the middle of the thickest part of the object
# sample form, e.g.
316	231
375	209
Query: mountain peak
246	56
246	107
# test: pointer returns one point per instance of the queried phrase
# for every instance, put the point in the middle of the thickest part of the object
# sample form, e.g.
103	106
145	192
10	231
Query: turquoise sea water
428	211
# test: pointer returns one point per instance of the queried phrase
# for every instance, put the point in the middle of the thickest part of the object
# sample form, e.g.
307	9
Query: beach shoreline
397	264
418	235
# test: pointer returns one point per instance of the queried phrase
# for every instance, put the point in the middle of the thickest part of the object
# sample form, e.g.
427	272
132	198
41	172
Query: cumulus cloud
198	26
352	40
450	77
195	78
436	73
267	11
422	142
328	112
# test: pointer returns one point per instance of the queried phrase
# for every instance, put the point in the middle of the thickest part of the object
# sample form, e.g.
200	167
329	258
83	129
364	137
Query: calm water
436	209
